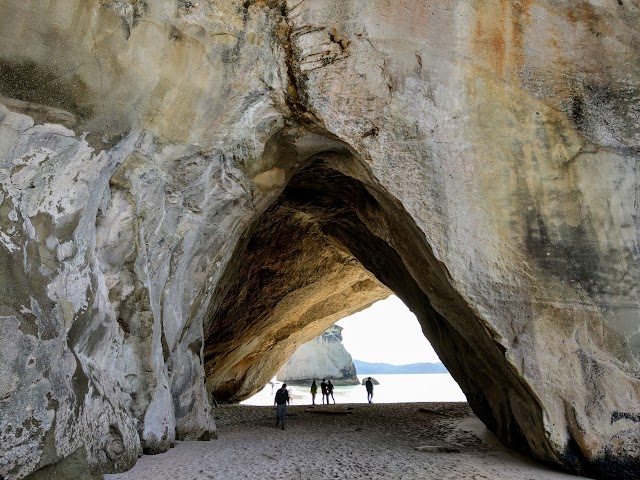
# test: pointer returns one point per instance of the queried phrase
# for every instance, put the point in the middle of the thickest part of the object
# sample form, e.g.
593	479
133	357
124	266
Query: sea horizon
392	388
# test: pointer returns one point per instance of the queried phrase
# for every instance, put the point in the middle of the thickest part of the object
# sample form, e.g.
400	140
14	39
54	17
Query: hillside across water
367	368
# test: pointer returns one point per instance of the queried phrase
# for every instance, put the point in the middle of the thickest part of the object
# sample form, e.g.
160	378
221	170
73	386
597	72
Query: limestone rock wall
322	357
481	157
509	120
111	232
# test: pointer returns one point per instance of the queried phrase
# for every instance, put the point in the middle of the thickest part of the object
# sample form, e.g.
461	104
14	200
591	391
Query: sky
386	332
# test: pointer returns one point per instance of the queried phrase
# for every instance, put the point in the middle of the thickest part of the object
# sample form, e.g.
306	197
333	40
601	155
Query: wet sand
353	441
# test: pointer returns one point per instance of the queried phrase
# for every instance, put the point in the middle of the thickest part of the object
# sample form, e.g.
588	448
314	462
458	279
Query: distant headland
367	368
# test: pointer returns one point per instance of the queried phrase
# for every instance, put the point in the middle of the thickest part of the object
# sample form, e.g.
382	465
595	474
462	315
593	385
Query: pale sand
361	441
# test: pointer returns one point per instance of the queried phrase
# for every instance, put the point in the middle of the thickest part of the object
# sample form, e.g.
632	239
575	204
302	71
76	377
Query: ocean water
428	387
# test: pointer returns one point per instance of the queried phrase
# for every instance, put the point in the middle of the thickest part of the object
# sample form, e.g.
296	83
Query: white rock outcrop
322	357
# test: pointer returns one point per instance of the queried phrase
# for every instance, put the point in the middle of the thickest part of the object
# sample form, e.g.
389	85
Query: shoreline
403	441
342	382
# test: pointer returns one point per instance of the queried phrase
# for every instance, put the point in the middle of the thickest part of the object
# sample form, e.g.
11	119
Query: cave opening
384	342
386	332
332	243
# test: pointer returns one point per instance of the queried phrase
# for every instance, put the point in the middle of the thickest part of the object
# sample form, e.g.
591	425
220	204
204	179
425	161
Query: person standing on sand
323	388
330	392
314	390
369	385
280	402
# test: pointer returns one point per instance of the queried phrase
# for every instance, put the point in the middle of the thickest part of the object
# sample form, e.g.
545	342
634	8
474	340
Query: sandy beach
353	441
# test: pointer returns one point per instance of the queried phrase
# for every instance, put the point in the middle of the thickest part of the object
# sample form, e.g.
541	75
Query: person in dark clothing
280	402
369	385
323	389
330	392
314	390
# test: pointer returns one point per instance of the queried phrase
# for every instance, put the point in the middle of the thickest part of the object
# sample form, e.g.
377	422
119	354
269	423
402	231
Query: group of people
282	398
327	391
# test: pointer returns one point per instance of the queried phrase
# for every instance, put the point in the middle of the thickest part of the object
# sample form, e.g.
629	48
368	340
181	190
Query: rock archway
331	244
480	159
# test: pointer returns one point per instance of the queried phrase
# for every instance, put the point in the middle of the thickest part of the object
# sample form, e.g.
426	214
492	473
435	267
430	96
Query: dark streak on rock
41	84
617	416
370	133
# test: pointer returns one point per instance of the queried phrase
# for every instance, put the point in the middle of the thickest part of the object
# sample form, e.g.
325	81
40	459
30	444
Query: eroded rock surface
189	190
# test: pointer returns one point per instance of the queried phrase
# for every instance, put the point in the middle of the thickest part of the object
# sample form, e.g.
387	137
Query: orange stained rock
498	35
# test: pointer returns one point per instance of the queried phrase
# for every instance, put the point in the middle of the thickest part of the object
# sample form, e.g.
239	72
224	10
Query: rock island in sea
322	357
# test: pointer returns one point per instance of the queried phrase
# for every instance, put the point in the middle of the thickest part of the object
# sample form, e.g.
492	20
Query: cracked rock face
190	190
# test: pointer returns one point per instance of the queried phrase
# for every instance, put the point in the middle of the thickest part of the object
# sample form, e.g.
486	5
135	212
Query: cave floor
351	441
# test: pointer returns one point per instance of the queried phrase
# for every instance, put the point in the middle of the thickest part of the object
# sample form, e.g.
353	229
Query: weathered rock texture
322	357
190	189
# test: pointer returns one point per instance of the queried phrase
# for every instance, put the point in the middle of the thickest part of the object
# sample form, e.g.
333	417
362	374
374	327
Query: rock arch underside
190	190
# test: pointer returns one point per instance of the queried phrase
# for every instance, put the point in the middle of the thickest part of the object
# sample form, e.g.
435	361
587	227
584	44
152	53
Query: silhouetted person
330	392
281	401
323	388
314	390
369	385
